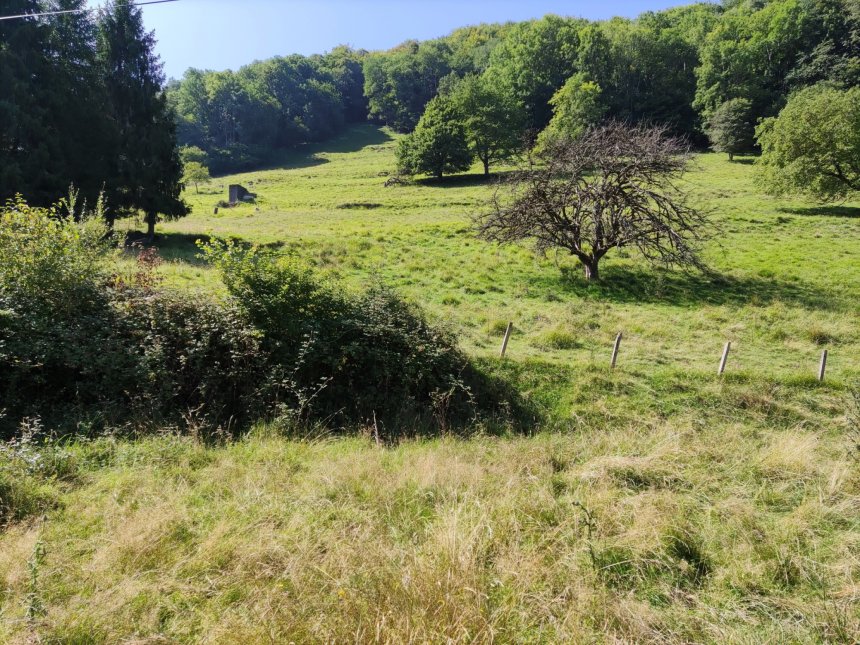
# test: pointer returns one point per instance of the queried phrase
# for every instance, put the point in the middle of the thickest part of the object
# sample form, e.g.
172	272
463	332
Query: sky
226	34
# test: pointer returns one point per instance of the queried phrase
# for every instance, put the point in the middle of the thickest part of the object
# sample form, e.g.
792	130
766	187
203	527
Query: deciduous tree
813	147
730	127
576	107
492	119
615	186
438	145
195	173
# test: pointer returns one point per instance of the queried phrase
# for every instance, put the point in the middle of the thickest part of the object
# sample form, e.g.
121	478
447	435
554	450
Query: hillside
653	503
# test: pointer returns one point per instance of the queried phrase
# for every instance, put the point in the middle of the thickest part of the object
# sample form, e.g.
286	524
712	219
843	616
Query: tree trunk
486	167
150	226
591	272
731	156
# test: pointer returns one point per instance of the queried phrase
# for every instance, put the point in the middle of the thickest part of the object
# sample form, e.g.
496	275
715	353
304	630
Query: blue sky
221	34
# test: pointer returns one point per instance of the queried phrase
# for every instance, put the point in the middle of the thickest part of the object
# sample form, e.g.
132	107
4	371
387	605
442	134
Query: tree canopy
146	169
813	147
492	119
79	90
614	186
730	127
82	104
438	145
241	118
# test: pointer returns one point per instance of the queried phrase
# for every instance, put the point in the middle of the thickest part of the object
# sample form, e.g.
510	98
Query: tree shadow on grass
681	288
172	247
465	181
182	247
824	211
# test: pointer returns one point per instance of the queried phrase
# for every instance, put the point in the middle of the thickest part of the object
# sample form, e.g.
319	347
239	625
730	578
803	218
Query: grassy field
787	280
655	504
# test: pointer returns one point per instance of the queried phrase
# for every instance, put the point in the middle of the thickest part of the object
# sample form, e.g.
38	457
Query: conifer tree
147	170
52	130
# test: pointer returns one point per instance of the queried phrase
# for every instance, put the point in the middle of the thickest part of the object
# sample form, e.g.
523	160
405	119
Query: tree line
82	104
240	118
84	100
483	90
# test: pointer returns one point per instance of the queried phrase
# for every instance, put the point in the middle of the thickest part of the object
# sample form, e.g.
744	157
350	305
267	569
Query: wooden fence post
724	358
506	339
615	350
823	365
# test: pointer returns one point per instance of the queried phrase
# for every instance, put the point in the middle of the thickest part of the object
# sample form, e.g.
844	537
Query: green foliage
195	173
438	145
399	83
812	148
533	62
241	118
762	51
576	107
147	169
730	127
48	260
53	126
337	355
198	362
491	118
193	154
57	343
77	348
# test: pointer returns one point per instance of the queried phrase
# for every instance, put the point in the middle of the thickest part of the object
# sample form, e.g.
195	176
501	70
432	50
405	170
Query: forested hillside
674	67
600	387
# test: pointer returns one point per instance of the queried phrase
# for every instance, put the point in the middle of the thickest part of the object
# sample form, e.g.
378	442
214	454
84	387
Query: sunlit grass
654	503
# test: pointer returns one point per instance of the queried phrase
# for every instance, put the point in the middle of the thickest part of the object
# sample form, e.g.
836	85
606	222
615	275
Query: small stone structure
239	193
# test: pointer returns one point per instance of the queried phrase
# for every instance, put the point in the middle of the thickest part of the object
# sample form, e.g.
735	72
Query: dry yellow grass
666	532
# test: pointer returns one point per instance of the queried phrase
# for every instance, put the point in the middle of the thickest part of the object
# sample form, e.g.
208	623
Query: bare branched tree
615	186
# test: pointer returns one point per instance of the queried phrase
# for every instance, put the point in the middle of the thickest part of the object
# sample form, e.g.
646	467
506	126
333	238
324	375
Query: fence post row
723	360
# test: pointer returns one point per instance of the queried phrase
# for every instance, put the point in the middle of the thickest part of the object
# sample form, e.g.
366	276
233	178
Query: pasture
652	503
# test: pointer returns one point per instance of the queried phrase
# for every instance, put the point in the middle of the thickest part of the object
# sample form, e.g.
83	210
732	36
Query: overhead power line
65	11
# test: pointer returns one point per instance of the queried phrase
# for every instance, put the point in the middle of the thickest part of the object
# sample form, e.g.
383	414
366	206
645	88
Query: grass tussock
675	532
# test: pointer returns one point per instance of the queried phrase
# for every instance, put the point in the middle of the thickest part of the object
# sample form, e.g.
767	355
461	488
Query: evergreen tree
147	169
51	125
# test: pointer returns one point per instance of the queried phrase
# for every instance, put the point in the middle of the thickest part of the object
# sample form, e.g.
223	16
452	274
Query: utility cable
84	10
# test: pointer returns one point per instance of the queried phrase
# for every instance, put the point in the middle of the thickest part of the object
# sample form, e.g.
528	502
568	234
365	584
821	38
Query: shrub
78	349
123	351
58	347
197	360
339	355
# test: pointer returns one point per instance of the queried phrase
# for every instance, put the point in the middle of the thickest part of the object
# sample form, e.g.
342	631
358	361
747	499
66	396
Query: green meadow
784	285
653	503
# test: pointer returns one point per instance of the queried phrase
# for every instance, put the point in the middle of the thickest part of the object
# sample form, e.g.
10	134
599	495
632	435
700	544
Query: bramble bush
83	349
341	356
